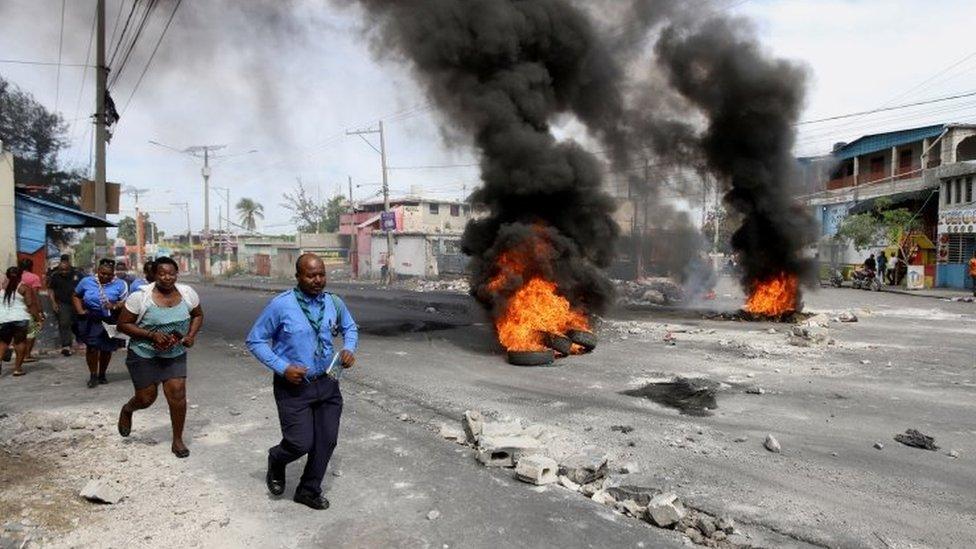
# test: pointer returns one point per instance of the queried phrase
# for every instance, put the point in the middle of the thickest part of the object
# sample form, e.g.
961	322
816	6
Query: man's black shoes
92	382
275	479
311	500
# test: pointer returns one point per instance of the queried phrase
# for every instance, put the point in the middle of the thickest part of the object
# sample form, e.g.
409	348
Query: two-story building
426	238
901	167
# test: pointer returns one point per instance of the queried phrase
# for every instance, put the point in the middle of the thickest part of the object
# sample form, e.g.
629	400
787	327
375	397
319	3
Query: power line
125	28
434	166
132	44
884	109
118	17
151	56
57	85
41	63
84	74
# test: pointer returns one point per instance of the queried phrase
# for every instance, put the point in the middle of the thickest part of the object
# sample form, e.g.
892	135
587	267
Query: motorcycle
836	278
865	279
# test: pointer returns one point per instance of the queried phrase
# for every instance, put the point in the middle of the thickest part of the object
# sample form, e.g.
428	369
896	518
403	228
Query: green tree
127	229
883	226
36	136
310	215
249	211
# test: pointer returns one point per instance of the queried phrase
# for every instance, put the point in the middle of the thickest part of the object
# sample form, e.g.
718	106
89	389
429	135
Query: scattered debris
648	292
669	338
430	310
536	469
473	420
755	390
917	439
954	454
847	316
504	451
568	484
101	491
865	361
665	510
588	465
452	432
622	428
602	497
433	514
803	335
772	444
878	446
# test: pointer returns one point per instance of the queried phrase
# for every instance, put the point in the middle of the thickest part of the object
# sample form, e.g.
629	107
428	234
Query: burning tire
586	340
531	358
561	344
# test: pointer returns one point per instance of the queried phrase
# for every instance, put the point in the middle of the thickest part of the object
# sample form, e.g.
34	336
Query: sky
289	87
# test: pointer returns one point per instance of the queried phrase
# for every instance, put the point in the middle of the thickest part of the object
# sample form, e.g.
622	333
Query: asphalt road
908	363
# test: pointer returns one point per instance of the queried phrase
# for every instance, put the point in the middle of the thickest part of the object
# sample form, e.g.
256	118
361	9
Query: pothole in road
690	396
387	329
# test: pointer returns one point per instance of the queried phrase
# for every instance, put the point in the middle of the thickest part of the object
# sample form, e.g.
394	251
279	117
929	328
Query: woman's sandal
125	427
185	452
18	373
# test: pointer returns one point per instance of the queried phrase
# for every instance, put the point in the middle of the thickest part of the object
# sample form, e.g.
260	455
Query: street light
189	233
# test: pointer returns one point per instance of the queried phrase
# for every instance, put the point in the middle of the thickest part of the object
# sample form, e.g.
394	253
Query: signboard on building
388	221
957	221
915	278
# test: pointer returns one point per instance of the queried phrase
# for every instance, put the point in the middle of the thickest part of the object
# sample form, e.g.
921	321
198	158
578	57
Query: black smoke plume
502	71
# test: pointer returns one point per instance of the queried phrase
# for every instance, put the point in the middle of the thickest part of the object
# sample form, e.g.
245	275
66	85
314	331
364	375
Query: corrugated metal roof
884	141
33	215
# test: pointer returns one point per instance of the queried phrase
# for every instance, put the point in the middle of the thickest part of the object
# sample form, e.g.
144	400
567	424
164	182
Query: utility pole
386	191
224	243
353	245
101	76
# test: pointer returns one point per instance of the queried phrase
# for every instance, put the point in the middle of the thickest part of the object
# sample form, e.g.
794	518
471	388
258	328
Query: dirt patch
388	329
690	396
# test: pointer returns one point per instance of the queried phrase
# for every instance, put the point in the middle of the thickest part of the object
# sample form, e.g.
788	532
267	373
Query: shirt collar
309	299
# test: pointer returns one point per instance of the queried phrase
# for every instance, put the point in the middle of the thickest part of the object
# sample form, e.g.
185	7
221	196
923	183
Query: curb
462	304
916	293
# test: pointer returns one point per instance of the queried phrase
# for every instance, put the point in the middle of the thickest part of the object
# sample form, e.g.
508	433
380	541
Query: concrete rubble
588	465
772	444
505	451
648	291
536	469
101	491
665	510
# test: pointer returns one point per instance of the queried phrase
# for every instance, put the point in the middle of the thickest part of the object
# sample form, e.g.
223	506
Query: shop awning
34	215
896	200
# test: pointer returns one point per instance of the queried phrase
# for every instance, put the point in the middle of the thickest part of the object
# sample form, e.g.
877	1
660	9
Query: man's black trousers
309	415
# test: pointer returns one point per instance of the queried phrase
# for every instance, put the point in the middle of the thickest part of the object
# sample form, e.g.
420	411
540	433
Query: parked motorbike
836	278
865	279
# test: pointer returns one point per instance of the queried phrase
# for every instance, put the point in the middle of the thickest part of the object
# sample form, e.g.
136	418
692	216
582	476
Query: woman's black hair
106	261
13	282
149	267
166	261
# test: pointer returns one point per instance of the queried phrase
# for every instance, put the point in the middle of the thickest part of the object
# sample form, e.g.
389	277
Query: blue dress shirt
282	335
87	290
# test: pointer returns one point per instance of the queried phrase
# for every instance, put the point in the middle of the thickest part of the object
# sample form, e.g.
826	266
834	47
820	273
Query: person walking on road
882	267
61	285
293	337
972	272
18	307
98	300
148	276
34	326
162	320
870	264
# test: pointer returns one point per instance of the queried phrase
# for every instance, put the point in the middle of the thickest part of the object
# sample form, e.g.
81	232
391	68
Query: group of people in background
888	271
156	318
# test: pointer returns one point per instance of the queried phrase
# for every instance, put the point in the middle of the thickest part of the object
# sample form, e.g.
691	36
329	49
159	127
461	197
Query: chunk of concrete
584	467
772	444
665	510
636	488
505	451
631	508
453	432
568	484
821	320
473	420
536	469
602	497
101	491
501	428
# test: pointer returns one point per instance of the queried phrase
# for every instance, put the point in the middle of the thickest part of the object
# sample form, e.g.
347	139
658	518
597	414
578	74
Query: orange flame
535	308
774	296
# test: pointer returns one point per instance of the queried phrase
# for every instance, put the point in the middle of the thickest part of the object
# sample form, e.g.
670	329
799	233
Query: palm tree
248	211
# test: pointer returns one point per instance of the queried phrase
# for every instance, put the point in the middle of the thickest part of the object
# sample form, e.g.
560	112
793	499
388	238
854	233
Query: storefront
957	226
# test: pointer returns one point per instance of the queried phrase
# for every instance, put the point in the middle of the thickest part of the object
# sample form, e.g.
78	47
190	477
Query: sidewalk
452	302
949	294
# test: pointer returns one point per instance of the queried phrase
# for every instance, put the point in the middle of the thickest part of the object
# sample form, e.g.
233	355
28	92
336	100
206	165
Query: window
466	209
905	159
455	210
877	164
946	192
969	189
435	208
958	191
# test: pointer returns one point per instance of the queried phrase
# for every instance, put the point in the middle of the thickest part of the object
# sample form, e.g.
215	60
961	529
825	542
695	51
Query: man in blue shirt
293	337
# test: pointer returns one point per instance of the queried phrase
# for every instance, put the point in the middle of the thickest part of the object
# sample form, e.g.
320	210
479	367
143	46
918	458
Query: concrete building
426	241
902	167
957	223
275	257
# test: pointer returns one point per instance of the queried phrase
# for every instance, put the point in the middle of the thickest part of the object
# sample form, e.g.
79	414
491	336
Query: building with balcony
902	167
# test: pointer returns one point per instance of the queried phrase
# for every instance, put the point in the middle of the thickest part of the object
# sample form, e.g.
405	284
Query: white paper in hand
335	367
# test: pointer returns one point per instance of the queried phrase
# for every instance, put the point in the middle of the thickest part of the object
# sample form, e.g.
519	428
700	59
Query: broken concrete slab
631	508
101	491
500	428
453	432
568	484
536	469
602	497
847	316
820	320
665	510
637	488
585	466
772	444
473	420
505	451
916	439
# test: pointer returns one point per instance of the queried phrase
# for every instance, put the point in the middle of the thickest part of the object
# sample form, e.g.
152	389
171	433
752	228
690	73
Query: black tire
561	344
586	340
531	358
